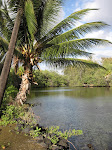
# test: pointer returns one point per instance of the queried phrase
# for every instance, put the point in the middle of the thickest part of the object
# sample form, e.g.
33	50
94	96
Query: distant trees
77	76
49	79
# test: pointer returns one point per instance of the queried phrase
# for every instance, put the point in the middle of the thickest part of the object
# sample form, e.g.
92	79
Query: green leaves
73	47
77	32
30	18
66	24
65	62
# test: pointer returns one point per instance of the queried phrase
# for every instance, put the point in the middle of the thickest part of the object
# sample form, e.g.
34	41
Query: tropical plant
39	40
9	30
7	25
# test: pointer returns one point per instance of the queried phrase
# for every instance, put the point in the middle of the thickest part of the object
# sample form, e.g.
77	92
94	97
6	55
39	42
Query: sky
102	14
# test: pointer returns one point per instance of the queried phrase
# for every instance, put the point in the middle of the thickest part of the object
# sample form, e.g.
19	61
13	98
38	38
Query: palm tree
53	44
16	6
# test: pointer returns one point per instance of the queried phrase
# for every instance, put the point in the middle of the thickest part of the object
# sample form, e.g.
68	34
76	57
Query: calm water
88	109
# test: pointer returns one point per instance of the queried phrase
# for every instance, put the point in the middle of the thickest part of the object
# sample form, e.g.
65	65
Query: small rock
63	142
26	130
55	147
39	138
43	144
90	146
47	141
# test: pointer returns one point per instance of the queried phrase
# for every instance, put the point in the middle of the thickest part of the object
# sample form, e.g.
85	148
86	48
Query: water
87	109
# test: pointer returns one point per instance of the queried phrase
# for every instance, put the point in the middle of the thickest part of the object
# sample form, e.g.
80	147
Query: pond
87	109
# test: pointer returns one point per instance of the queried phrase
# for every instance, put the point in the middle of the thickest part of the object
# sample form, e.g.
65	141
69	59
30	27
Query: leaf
73	47
65	62
30	18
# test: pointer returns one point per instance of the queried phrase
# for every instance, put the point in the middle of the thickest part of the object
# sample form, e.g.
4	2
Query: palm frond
50	14
30	18
46	12
65	62
14	5
68	47
66	24
3	44
77	32
6	23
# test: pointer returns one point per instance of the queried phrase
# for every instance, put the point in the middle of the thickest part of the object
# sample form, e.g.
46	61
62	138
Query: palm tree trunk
8	59
24	88
15	64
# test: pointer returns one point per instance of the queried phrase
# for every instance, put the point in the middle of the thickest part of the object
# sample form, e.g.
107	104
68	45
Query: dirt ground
10	140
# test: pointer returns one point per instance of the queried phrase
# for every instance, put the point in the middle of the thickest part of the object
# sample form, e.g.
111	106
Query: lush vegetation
49	79
78	76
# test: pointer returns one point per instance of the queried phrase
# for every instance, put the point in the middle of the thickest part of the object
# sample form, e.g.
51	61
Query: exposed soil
10	140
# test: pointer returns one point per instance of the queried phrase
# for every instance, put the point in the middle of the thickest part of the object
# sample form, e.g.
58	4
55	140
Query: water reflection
88	109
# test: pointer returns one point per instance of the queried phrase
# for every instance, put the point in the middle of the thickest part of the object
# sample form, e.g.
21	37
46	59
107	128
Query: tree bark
24	88
15	63
8	59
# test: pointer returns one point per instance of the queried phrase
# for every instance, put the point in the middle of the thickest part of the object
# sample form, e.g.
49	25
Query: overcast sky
103	14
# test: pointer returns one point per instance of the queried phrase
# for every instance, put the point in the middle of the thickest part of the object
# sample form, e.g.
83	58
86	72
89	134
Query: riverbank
11	140
22	127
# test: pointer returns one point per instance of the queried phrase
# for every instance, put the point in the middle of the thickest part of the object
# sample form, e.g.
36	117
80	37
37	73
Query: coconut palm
17	7
53	44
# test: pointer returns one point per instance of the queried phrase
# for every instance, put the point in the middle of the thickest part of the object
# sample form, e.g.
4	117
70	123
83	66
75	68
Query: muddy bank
11	140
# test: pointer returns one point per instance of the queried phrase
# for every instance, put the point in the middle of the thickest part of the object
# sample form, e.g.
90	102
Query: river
87	109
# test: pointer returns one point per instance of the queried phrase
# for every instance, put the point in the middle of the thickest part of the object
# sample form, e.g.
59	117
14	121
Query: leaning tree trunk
15	64
8	59
24	87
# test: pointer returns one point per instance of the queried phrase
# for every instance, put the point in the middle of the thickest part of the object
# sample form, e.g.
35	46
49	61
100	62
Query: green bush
9	96
10	114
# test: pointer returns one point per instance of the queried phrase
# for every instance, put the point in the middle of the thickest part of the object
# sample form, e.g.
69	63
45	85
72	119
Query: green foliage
92	76
30	18
35	133
20	71
55	131
107	63
10	114
18	114
66	134
9	95
49	79
10	92
77	76
14	79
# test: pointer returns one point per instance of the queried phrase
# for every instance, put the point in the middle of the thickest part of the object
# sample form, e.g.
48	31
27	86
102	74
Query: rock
63	142
55	147
90	146
43	144
26	130
47	141
39	138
